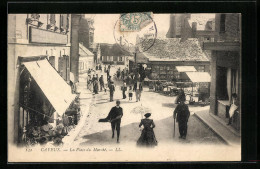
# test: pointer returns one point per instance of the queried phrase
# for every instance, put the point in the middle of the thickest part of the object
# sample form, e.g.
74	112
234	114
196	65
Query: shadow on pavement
198	133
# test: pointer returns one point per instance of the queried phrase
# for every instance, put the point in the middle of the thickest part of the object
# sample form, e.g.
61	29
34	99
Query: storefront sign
44	36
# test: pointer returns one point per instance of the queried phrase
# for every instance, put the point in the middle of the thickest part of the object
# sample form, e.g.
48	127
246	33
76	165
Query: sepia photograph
129	87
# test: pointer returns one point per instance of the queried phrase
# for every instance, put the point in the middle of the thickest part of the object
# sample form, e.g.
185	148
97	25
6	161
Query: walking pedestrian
111	90
130	93
114	117
181	96
105	69
122	75
124	89
98	87
182	112
138	90
107	74
101	82
95	86
147	137
88	82
118	74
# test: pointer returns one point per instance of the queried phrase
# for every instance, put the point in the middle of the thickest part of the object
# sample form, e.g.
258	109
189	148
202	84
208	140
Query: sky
104	25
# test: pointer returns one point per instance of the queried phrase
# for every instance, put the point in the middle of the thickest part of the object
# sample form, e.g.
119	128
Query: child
130	93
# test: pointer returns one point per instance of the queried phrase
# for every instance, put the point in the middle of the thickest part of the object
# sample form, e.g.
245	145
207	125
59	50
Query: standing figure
101	82
124	88
111	90
95	86
105	69
100	68
88	82
138	90
114	117
107	74
182	112
118	74
181	96
130	93
97	82
122	75
147	137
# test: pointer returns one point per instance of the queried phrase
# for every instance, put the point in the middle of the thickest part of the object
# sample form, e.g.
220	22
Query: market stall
45	98
201	81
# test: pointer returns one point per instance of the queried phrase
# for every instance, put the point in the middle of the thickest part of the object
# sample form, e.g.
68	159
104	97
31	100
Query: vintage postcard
130	87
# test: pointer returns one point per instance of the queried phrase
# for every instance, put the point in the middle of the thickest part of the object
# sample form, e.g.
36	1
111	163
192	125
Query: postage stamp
135	21
135	32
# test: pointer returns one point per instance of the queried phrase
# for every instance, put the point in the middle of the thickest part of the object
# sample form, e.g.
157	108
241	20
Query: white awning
57	91
186	69
197	77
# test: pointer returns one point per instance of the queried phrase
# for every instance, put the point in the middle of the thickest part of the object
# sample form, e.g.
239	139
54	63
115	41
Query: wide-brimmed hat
147	115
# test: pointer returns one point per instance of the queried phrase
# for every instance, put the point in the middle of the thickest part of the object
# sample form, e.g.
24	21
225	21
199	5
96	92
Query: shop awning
57	91
186	69
197	77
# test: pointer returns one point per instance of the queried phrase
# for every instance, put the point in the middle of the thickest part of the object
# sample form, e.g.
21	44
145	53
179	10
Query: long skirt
147	138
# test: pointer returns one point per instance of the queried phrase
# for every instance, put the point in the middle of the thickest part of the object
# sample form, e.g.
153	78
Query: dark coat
115	112
140	86
182	112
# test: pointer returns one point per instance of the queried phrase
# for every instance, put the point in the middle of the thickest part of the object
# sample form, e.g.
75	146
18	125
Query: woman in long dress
147	137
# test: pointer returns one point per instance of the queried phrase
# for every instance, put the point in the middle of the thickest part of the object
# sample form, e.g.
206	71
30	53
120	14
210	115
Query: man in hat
182	112
114	117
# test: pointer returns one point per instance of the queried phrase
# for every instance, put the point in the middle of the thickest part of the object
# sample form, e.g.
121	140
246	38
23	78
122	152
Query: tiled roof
173	49
83	51
112	50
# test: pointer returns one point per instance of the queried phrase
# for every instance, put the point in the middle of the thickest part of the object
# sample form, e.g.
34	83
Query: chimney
194	29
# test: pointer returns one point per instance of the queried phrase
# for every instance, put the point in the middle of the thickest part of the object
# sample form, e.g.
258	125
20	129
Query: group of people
96	83
137	88
122	74
147	138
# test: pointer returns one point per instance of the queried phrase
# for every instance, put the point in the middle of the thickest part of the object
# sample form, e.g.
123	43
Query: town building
112	54
39	47
225	66
167	53
86	31
86	59
193	26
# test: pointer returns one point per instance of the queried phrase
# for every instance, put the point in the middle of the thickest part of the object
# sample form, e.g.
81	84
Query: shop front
44	99
225	80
